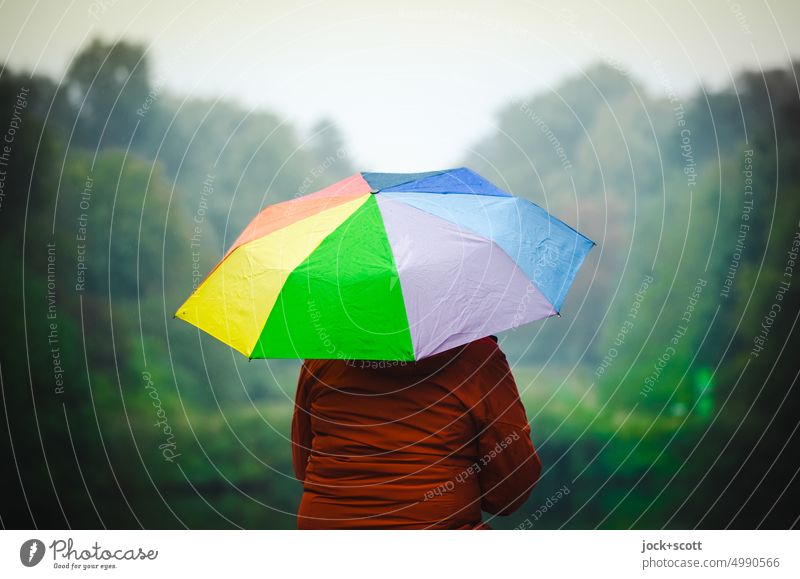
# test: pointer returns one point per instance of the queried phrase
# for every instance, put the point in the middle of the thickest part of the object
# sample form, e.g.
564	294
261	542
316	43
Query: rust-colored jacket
418	445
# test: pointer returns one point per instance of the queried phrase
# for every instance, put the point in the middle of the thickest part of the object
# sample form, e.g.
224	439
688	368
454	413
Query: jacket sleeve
302	436
509	465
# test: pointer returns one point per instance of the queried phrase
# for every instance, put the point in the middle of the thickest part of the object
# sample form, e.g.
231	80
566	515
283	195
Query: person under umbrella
390	285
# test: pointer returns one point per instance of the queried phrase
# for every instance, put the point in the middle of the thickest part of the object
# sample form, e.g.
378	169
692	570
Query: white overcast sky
412	84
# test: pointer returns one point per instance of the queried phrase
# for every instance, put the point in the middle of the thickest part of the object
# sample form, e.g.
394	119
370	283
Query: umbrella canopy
387	266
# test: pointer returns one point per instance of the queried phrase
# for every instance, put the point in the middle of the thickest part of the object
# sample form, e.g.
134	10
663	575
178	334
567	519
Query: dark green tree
107	85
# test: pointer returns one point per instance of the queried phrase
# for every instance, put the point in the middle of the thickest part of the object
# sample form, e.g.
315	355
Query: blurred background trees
148	188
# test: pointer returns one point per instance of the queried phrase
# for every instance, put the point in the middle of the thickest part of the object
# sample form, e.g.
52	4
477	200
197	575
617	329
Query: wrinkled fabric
428	444
456	286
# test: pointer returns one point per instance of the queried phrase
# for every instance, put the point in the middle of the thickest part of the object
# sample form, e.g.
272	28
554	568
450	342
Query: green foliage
106	85
147	190
659	348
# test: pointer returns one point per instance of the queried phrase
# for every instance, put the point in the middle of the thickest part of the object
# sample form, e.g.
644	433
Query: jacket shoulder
487	346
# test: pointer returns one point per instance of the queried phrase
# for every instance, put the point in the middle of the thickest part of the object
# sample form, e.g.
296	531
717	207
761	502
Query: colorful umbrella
387	266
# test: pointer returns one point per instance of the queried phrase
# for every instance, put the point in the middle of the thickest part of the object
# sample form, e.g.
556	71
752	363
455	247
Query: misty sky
411	87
